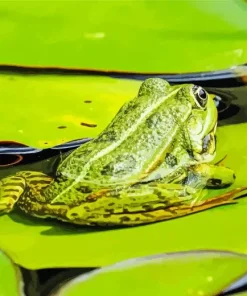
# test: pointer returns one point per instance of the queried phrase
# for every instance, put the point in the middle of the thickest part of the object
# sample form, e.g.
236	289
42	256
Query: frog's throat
208	152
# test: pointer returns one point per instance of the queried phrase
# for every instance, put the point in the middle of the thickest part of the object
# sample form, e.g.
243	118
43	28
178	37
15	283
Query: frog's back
130	145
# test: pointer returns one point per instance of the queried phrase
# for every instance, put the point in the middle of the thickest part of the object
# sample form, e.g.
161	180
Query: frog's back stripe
140	109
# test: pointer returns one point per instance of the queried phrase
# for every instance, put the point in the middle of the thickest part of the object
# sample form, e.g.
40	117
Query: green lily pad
150	36
65	108
46	110
198	273
62	245
11	282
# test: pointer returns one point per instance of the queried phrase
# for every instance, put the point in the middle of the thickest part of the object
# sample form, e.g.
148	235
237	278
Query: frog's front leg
21	186
215	176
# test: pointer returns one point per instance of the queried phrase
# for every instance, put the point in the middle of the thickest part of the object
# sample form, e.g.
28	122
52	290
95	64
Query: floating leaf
60	112
151	36
189	273
11	282
43	111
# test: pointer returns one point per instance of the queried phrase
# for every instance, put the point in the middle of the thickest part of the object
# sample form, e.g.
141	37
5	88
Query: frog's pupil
202	94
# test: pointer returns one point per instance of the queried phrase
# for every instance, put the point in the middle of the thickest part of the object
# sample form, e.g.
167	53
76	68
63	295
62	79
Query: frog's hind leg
145	204
15	188
11	188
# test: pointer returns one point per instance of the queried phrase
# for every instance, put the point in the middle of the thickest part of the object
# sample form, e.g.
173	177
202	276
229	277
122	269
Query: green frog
153	162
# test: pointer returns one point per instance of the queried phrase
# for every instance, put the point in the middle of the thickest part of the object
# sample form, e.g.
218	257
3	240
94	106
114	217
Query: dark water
231	102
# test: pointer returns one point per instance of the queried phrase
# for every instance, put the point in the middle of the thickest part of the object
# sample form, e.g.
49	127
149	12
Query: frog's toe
6	206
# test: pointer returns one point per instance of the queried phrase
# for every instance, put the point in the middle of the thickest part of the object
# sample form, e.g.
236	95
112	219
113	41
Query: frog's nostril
234	176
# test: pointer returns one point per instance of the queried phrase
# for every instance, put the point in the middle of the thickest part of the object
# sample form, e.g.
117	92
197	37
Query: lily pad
66	108
198	273
11	282
43	111
36	243
150	36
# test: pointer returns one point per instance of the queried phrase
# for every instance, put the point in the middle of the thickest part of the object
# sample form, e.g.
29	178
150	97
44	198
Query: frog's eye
201	96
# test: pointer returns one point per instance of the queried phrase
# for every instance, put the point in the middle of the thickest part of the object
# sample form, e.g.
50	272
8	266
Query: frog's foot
18	189
11	188
216	176
223	199
146	204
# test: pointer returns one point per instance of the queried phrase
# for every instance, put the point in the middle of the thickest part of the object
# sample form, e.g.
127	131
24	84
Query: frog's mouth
209	142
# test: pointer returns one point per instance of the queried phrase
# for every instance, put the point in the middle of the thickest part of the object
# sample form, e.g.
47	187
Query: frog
153	162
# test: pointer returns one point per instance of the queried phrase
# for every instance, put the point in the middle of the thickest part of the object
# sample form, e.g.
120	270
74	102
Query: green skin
149	164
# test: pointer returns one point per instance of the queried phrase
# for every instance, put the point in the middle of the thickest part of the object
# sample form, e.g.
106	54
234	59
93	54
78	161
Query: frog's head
193	109
201	122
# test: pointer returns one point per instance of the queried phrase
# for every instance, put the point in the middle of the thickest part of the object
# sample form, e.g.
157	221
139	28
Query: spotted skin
150	164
